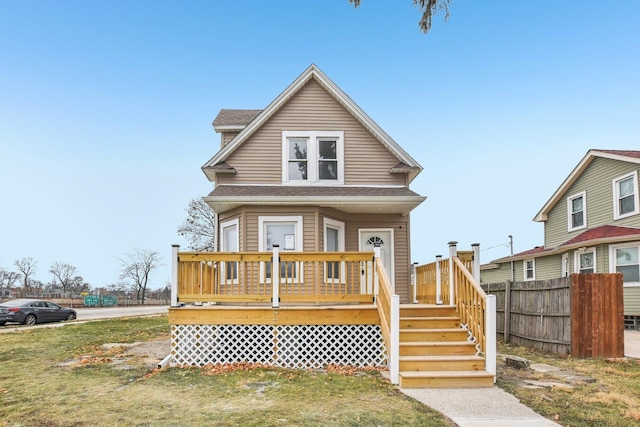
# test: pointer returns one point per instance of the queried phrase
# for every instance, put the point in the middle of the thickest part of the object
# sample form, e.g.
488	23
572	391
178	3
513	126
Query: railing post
476	261
174	275
438	280
275	276
453	252
490	336
376	279
414	282
394	362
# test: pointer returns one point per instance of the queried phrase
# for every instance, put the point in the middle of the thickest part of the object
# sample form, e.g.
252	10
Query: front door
369	237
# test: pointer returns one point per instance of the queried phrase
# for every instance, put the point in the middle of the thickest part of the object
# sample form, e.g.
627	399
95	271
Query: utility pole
511	246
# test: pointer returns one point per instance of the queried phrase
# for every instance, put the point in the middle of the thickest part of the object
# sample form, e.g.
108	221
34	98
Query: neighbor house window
334	242
529	268
625	259
585	261
313	157
625	196
286	232
577	211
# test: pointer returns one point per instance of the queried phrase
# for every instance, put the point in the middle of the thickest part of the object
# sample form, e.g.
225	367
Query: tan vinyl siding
549	267
632	300
596	180
228	136
259	159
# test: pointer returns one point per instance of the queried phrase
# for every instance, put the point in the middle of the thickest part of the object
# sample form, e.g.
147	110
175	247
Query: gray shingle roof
235	117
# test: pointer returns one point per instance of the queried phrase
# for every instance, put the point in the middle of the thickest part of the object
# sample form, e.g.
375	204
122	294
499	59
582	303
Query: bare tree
63	273
7	279
200	226
26	267
428	9
138	267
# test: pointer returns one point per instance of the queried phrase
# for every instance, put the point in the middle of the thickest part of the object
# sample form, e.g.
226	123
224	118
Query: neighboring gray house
591	225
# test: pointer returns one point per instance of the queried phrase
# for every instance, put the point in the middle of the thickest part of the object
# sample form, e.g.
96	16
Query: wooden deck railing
454	281
318	277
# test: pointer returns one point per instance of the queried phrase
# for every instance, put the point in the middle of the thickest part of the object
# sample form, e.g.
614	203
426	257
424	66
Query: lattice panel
291	346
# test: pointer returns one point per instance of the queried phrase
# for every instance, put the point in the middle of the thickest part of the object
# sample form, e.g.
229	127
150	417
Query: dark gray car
32	311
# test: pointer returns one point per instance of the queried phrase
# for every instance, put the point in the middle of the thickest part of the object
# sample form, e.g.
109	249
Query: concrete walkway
479	407
494	407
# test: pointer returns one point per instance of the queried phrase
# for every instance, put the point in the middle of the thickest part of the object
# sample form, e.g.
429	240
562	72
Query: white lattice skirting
290	346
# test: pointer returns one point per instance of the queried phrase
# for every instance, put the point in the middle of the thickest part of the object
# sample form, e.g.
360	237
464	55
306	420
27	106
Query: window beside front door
585	261
577	211
229	242
286	232
625	196
625	259
334	242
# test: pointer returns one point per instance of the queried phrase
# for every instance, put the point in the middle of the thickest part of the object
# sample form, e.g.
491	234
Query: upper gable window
625	196
313	157
577	211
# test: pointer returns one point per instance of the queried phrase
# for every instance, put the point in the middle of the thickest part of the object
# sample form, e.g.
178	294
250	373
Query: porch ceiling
382	200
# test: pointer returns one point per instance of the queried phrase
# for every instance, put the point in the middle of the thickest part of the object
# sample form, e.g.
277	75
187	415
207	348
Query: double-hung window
313	157
625	196
229	240
529	269
625	259
585	261
577	211
334	242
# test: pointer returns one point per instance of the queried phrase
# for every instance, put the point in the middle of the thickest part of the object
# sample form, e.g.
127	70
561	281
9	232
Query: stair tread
453	358
429	317
437	343
444	374
432	330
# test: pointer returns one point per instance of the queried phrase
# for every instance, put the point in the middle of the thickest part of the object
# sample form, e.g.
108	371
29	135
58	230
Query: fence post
174	275
476	261
490	336
507	311
438	280
453	252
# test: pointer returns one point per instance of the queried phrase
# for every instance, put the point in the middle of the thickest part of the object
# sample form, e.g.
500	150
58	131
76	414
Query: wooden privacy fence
580	315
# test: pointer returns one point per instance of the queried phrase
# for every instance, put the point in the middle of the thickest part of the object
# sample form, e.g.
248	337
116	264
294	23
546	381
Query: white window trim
524	270
262	241
576	259
312	157
339	226
616	196
565	264
570	226
223	265
612	260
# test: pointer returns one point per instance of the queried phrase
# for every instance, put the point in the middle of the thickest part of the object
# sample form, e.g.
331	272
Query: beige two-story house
313	172
591	225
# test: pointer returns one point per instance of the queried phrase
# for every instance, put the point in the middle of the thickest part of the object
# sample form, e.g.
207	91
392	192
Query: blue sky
106	110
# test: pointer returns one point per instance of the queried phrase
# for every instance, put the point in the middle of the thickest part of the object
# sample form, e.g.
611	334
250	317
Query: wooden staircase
435	351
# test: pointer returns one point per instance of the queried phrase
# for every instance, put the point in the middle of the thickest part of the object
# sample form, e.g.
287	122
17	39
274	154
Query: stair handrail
477	312
388	305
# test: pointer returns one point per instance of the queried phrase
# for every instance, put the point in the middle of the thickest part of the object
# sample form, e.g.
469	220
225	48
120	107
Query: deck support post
438	280
453	252
174	275
476	261
490	336
275	277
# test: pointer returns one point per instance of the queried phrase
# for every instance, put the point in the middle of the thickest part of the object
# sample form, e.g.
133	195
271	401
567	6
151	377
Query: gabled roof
631	156
312	72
